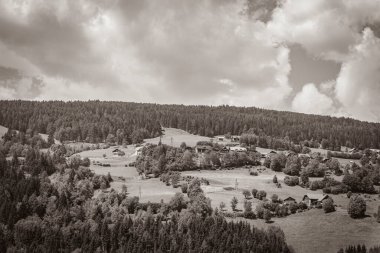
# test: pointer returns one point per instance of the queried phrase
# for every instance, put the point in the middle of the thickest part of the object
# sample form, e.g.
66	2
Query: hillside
95	121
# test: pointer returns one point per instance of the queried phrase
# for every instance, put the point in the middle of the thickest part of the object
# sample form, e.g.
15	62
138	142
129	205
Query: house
238	149
353	150
303	155
138	150
219	138
235	138
118	152
202	149
313	199
224	150
268	155
289	200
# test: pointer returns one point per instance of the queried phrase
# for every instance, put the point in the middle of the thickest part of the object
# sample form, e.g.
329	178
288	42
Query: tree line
95	120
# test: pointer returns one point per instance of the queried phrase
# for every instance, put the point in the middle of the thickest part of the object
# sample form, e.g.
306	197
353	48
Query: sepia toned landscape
190	126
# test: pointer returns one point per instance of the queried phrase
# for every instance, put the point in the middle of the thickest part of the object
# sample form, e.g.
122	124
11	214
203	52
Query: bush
250	215
247	194
328	205
184	188
275	179
302	206
274	198
253	173
293	207
267	215
254	193
234	203
357	207
291	181
261	195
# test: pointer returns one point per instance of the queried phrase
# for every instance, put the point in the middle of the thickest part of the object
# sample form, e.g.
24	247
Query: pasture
174	137
310	231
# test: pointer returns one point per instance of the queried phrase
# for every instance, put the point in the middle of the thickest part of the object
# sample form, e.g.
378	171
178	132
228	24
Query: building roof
116	150
290	198
316	196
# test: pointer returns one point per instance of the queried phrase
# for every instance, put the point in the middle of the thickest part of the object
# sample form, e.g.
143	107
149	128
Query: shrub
261	195
274	198
302	206
275	179
247	206
291	181
184	188
253	173
234	203
250	215
260	211
293	207
328	205
267	215
356	207
254	193
247	194
222	206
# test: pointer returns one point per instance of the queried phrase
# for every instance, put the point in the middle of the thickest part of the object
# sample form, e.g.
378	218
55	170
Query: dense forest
95	121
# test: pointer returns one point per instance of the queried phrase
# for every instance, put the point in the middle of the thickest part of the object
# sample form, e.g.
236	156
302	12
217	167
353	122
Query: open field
310	231
175	137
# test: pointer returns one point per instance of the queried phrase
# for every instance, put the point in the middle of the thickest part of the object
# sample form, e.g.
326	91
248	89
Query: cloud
358	83
311	100
325	28
247	53
168	52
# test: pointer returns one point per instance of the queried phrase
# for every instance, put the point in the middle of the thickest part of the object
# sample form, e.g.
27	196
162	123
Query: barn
313	199
289	200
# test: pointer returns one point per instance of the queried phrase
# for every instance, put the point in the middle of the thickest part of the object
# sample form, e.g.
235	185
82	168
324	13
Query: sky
317	57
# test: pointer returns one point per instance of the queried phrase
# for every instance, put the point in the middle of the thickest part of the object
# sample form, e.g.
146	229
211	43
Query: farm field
311	231
174	137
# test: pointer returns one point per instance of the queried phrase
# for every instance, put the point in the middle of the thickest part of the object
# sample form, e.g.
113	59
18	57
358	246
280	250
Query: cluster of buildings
310	199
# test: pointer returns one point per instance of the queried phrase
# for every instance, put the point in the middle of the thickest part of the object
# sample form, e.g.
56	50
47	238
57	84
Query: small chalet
235	138
313	199
219	138
202	149
303	155
224	150
118	152
289	200
238	149
269	155
353	150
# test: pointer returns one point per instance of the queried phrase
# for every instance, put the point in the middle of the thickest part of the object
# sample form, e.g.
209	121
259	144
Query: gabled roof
316	196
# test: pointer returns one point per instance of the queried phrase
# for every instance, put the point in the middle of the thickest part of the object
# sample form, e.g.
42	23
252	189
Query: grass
175	137
311	231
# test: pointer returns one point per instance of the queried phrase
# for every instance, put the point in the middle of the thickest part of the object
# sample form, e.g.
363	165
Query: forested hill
95	121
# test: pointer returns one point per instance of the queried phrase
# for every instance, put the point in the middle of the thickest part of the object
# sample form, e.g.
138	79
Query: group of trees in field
94	121
159	159
356	178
